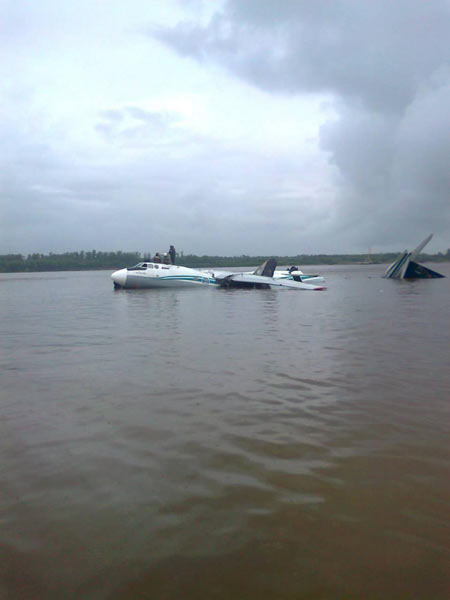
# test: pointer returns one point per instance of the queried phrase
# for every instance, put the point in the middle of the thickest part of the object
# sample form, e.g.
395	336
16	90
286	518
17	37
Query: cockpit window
138	267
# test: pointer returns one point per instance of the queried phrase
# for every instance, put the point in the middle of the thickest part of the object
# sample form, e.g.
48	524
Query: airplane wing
261	278
298	275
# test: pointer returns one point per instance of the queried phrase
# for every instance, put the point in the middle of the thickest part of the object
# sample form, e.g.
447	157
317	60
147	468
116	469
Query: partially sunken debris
405	266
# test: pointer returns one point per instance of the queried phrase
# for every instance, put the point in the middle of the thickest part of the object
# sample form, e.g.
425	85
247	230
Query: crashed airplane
405	266
152	275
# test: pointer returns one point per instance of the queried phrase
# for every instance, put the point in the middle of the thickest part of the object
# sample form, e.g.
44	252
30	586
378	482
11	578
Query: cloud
135	126
374	52
145	178
235	127
385	65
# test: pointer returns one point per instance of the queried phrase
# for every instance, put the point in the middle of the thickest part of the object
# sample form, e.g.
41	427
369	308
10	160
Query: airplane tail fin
415	253
267	269
405	266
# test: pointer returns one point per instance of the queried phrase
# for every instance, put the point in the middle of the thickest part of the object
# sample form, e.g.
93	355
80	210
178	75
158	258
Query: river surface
224	444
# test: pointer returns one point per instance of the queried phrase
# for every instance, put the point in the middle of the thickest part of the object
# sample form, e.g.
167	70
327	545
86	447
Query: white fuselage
154	275
148	274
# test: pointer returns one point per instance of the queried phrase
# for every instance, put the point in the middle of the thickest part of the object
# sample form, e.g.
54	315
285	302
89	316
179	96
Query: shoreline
223	263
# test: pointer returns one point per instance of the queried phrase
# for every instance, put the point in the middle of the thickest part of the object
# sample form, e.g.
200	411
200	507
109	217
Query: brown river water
224	444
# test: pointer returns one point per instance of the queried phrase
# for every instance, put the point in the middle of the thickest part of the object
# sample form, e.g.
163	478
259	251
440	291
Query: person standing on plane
172	254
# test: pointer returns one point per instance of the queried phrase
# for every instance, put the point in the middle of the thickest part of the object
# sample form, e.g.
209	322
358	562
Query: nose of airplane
119	277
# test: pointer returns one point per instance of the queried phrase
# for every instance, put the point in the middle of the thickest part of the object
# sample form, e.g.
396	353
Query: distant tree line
69	261
77	261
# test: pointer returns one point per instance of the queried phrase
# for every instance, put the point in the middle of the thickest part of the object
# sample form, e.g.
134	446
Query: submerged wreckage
265	276
152	275
405	266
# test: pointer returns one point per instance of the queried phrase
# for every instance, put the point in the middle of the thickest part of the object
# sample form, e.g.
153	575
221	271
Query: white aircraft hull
146	275
153	275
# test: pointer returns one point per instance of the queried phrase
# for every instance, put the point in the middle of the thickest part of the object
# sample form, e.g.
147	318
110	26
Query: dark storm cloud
377	52
386	66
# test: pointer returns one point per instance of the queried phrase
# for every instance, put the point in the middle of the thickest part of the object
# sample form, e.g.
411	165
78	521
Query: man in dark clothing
172	254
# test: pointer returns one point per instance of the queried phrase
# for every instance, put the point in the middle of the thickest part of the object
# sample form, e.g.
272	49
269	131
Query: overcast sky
235	127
